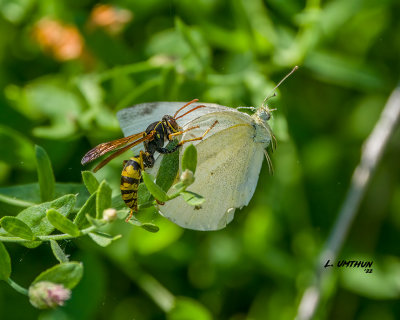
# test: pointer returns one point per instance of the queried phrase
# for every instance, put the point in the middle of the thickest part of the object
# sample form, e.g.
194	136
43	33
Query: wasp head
171	123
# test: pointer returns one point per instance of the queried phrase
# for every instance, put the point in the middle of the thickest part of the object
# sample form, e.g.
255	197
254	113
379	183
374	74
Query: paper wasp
153	139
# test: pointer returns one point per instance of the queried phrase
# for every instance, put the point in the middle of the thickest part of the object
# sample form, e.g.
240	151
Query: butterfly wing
229	163
136	118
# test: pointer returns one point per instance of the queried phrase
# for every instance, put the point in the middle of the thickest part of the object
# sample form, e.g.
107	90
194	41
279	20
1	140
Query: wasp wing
106	147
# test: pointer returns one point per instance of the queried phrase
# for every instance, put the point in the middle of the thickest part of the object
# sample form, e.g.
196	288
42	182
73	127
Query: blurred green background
68	66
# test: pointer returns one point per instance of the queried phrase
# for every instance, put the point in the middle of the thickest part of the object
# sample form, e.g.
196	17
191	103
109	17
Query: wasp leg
166	151
199	138
160	202
181	132
130	216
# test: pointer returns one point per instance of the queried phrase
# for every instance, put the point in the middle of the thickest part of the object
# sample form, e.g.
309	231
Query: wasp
153	139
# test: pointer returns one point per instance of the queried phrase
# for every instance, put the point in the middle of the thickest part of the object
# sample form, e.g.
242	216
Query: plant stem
62	236
17	287
371	154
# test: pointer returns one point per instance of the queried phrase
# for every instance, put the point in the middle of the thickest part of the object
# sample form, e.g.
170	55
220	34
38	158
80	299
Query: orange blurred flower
63	41
111	19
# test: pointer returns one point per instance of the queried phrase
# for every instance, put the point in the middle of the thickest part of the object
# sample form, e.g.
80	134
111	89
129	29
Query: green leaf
15	198
102	239
153	188
150	227
194	45
189	158
45	175
35	216
17	228
192	198
103	199
68	274
89	208
169	83
188	309
168	168
62	223
58	252
5	263
90	181
16	149
95	222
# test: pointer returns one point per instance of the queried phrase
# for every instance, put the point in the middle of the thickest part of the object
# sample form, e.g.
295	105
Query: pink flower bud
45	295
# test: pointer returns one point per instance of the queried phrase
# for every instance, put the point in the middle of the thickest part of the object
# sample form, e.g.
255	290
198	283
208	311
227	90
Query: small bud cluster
45	295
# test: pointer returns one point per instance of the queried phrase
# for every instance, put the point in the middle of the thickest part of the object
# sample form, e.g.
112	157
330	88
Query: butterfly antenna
273	93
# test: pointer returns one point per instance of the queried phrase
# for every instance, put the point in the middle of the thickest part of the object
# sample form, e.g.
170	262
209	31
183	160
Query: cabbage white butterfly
229	158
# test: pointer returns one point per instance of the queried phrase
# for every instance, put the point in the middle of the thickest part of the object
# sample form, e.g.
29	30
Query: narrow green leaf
150	227
189	158
189	39
187	308
17	228
95	222
168	168
69	274
135	222
90	181
5	263
88	208
169	83
62	223
192	198
15	202
103	199
45	175
35	216
102	239
153	188
58	252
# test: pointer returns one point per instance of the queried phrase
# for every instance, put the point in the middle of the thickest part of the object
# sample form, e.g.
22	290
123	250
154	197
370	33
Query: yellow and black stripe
130	179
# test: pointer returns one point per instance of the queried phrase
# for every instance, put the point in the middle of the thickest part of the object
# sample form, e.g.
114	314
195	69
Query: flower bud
110	214
187	177
46	294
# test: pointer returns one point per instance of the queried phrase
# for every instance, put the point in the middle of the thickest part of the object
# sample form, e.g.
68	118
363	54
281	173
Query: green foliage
62	223
5	263
189	159
192	198
154	188
68	274
17	228
90	181
45	175
58	252
103	199
64	94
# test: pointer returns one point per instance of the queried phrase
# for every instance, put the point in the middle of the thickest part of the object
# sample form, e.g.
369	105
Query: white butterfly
230	157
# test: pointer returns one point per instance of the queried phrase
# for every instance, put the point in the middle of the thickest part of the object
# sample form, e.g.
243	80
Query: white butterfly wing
137	118
229	163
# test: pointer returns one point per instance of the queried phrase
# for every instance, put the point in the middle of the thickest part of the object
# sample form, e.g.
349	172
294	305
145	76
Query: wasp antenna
194	100
200	106
273	93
